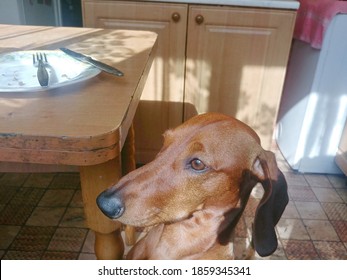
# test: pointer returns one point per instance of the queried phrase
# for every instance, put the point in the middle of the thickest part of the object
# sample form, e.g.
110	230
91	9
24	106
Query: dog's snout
110	204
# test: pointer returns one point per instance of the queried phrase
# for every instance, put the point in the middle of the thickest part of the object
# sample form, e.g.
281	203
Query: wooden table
85	124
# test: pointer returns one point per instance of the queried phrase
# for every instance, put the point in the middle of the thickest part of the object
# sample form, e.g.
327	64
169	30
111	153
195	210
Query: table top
81	124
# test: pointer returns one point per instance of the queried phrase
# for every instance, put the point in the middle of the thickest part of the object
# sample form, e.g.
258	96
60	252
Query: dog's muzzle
110	204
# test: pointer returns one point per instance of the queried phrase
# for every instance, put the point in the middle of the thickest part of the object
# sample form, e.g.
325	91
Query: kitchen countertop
276	4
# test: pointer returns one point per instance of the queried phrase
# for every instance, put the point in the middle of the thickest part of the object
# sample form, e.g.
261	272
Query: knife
98	64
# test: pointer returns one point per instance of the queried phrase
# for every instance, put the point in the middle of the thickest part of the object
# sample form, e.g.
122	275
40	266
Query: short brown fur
192	213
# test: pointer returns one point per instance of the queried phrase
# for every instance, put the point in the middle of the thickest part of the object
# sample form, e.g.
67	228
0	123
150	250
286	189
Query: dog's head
212	161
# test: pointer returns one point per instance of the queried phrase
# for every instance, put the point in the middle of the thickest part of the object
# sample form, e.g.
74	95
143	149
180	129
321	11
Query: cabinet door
161	105
236	62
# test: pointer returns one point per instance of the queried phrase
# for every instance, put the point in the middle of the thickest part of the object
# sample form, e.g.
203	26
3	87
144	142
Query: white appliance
313	109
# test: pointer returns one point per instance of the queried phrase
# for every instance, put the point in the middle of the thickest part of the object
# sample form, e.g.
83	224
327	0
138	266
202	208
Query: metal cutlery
98	64
40	60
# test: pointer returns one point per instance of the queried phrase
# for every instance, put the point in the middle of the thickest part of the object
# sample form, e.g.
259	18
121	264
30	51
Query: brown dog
194	192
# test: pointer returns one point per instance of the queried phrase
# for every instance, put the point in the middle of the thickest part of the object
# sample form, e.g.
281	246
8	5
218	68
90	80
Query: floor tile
245	227
321	230
338	181
52	255
77	199
73	217
279	254
302	193
14	214
39	180
241	248
326	195
46	216
341	229
56	198
33	239
66	181
290	211
88	246
87	256
241	229
13	179
335	211
300	250
292	229
343	194
6	194
295	179
282	164
7	235
68	239
27	196
23	255
310	210
318	181
251	207
330	250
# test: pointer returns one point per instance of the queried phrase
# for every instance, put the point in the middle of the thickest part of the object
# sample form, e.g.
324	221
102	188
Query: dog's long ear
271	206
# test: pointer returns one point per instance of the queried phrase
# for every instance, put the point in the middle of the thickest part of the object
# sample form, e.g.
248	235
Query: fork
40	60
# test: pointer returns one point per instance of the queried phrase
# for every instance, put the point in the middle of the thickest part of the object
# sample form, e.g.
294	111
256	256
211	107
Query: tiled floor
41	217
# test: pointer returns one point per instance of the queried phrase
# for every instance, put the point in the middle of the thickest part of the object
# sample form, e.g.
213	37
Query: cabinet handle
199	19
176	17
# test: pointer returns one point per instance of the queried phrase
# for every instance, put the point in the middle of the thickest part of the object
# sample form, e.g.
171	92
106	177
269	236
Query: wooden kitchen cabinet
161	105
236	62
210	58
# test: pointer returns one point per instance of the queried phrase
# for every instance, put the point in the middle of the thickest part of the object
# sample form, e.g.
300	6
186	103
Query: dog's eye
197	164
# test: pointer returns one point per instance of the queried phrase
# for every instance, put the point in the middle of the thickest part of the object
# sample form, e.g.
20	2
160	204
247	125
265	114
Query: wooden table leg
94	180
128	152
109	246
128	165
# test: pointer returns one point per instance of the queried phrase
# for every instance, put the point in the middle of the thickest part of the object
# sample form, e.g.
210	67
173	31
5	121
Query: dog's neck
200	234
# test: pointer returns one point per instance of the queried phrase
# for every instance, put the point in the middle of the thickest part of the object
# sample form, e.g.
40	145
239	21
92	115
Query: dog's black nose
110	204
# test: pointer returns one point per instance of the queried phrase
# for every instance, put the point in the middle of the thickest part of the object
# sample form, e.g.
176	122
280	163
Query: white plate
18	74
